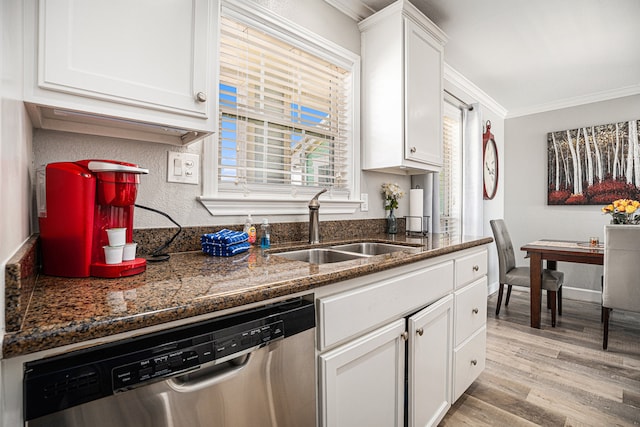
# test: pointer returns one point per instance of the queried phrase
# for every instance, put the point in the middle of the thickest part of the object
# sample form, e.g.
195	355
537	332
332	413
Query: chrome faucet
314	221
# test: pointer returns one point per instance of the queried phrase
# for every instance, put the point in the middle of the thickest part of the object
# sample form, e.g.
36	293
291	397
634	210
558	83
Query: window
451	175
286	111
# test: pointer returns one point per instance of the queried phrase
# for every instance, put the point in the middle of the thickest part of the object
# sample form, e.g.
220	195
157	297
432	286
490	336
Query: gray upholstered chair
621	285
511	275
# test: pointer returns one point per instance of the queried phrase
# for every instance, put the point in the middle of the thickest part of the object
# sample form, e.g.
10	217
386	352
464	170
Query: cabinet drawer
470	309
468	362
349	313
470	268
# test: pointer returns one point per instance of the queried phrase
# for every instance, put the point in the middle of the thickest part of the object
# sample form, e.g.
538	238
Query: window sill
226	206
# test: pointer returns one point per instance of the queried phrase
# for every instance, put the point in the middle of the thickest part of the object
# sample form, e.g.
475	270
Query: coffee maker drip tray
123	269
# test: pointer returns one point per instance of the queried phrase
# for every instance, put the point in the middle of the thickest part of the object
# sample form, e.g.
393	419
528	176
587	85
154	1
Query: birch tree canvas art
594	165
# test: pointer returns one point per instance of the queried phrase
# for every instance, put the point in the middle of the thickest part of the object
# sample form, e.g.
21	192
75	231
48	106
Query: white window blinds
284	119
451	175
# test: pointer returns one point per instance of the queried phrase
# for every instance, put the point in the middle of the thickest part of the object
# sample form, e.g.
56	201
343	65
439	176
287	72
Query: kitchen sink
344	252
374	248
319	255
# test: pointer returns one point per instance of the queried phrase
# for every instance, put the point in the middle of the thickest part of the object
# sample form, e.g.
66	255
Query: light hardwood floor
554	376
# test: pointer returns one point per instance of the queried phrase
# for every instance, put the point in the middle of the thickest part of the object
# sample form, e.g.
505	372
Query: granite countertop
63	311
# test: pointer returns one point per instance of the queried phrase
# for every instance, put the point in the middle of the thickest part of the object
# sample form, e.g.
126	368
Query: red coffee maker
81	201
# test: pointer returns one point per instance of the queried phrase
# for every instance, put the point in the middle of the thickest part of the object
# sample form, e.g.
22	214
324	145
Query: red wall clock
489	163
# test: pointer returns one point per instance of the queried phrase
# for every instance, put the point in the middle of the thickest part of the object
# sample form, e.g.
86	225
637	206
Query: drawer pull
476	267
475	311
201	97
420	331
474	362
404	335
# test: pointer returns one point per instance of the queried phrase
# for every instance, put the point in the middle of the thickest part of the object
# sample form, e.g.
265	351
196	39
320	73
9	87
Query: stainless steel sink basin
373	248
319	255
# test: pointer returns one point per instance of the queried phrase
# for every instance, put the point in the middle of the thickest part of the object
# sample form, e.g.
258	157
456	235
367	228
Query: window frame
452	193
220	200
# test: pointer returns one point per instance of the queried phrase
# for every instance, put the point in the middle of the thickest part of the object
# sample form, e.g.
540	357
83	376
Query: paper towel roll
416	204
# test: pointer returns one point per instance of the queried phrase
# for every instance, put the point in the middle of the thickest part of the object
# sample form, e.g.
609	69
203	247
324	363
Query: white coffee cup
129	252
113	254
117	236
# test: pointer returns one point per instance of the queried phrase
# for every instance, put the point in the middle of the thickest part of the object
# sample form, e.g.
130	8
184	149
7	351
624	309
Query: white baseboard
578	294
493	288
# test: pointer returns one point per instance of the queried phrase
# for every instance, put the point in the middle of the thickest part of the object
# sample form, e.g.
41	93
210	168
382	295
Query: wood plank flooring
554	376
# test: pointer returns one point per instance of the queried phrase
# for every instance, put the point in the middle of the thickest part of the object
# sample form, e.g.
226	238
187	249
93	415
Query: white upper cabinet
138	70
402	56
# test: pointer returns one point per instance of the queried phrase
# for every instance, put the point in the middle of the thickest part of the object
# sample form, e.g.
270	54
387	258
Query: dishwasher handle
212	374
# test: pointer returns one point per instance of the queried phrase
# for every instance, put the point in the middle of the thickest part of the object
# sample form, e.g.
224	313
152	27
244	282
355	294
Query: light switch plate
183	168
364	206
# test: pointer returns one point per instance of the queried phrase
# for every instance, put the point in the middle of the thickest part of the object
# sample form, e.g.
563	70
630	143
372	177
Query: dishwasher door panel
273	386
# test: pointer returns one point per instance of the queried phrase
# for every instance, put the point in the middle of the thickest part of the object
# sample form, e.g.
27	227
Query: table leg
535	260
551	265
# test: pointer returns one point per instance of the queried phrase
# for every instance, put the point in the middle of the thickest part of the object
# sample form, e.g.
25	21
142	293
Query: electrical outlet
364	206
183	168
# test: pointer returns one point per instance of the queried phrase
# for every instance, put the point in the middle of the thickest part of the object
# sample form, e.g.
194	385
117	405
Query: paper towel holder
424	226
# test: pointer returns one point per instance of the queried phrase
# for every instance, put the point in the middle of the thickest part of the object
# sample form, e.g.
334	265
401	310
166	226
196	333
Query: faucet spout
314	220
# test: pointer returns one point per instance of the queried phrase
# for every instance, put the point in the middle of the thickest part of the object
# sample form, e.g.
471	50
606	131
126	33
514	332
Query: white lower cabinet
429	356
470	335
399	347
362	382
469	362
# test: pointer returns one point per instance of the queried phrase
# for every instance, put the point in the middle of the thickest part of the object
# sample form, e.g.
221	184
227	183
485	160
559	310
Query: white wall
15	156
494	208
526	211
15	141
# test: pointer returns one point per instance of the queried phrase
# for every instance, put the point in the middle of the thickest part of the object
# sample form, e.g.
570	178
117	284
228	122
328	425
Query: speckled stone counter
63	311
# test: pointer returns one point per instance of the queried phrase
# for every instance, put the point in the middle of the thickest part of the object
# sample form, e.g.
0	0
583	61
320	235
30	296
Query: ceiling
532	56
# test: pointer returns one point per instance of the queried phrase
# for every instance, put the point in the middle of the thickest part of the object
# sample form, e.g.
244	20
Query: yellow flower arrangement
623	211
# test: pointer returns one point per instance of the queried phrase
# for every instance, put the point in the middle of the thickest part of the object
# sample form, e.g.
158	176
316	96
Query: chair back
506	255
621	286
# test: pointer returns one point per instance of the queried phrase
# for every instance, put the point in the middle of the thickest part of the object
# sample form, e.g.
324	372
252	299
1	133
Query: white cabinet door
92	65
423	115
402	63
362	382
137	52
430	363
470	309
469	362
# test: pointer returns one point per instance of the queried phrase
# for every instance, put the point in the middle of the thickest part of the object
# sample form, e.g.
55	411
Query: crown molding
576	101
354	9
460	81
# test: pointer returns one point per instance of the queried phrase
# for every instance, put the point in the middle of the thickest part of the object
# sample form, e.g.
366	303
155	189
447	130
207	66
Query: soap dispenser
250	230
265	237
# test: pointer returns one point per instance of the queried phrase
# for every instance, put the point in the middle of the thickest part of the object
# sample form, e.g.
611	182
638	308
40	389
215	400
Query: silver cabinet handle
404	335
475	311
476	267
201	97
474	362
413	150
420	331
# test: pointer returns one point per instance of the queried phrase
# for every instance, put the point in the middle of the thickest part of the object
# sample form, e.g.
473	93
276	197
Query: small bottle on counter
250	230
265	236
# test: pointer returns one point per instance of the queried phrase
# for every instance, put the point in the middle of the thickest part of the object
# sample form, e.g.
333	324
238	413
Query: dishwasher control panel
189	354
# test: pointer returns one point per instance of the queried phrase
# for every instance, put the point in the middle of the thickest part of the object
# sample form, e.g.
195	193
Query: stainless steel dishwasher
254	368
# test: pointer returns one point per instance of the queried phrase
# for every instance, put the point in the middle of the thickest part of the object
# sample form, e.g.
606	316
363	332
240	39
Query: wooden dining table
553	251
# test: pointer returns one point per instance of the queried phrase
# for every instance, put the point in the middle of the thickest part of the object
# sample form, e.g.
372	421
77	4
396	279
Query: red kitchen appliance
77	203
